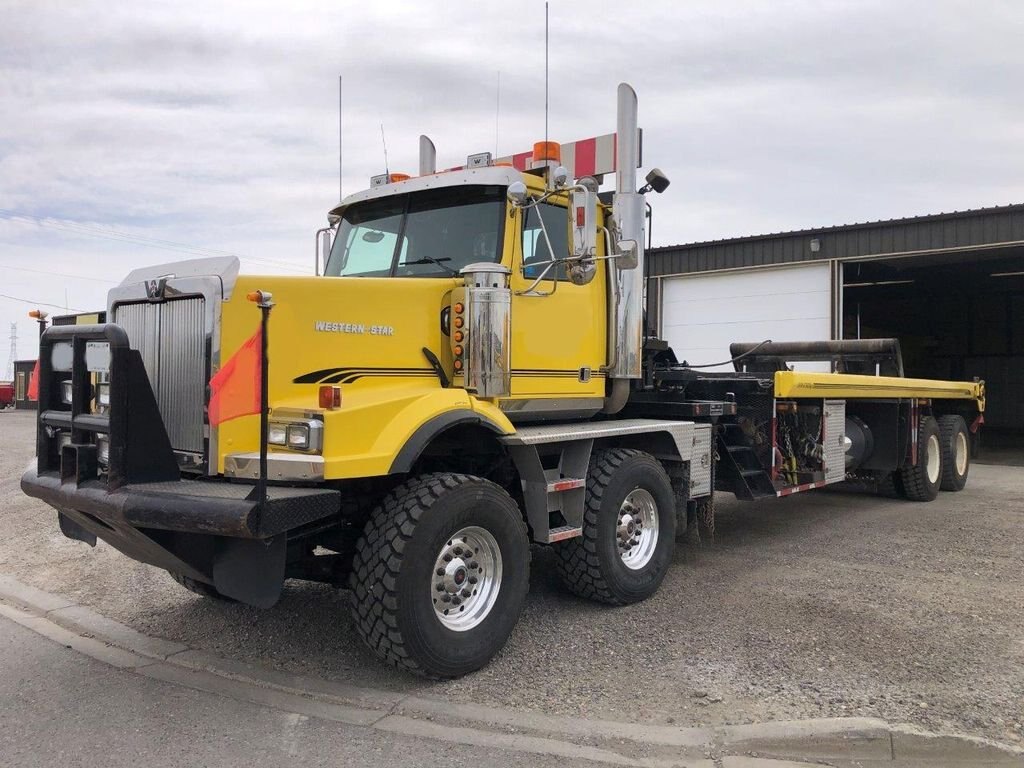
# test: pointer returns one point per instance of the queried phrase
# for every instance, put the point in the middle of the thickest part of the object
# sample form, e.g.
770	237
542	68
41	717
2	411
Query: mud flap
73	530
251	570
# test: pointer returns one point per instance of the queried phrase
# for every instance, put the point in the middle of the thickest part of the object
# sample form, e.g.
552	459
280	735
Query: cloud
215	125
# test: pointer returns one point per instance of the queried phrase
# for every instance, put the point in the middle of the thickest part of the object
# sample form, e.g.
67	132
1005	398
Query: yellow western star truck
469	375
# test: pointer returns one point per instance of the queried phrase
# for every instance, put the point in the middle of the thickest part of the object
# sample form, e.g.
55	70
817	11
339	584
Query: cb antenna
497	114
341	173
545	71
385	143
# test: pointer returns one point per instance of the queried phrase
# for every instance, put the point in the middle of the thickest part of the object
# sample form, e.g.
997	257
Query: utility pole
9	373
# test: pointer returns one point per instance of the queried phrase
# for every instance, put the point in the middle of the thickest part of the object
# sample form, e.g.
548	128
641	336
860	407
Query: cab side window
536	254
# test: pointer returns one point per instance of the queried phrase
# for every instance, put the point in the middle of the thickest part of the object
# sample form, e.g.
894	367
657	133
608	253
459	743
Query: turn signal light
459	308
459	322
330	397
458	351
459	335
458	365
38	314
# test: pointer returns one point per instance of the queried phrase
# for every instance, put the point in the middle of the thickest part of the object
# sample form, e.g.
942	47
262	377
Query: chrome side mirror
583	229
323	248
517	194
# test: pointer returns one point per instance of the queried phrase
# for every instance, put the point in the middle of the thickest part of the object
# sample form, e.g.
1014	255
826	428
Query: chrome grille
171	336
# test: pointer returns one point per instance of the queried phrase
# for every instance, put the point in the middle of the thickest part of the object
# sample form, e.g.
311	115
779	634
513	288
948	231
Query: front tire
921	482
201	588
440	574
628	530
956	452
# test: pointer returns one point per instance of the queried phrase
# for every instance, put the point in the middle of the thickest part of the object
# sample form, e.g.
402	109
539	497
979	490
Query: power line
40	303
74	227
61	274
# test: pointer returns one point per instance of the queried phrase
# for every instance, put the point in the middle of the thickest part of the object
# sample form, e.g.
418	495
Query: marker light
38	314
459	308
459	322
458	351
330	397
459	335
458	365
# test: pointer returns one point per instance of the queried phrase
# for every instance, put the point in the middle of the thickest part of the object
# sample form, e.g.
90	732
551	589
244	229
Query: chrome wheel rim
636	531
933	459
961	454
466	578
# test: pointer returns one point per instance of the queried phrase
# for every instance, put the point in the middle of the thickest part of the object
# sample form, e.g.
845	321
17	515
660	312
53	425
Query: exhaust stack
625	334
428	157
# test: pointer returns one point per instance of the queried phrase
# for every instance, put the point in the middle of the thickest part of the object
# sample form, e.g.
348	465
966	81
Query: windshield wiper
430	260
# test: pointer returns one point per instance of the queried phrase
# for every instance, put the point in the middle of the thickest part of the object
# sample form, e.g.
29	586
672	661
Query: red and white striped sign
587	157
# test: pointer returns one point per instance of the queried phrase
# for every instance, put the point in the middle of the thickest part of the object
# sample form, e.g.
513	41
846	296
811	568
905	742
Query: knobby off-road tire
956	452
431	534
201	588
921	482
593	565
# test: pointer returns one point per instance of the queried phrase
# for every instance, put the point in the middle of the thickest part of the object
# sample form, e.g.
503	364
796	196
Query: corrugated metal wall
981	227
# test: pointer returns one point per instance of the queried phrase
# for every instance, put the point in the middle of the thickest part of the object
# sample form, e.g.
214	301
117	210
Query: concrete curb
866	739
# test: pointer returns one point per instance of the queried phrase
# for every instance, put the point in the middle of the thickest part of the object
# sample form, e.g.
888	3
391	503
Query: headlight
277	434
103	449
298	436
66	392
103	394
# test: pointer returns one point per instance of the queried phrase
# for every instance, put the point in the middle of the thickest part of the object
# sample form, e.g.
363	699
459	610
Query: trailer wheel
921	482
628	530
956	452
440	574
201	588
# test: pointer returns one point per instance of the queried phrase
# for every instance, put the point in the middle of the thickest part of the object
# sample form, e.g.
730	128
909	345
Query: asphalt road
822	604
63	709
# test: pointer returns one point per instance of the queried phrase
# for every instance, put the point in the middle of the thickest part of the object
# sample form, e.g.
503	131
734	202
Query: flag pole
264	300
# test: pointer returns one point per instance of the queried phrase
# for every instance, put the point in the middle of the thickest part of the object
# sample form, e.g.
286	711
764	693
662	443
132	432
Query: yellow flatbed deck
797	384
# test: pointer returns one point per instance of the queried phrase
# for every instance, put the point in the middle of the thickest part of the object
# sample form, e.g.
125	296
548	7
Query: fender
427	431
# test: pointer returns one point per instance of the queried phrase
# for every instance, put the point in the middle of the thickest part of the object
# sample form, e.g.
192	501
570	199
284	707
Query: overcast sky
205	126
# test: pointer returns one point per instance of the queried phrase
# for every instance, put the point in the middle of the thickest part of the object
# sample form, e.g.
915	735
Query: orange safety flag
33	383
235	388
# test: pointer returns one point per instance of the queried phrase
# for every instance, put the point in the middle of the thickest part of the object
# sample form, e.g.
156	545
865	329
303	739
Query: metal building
950	286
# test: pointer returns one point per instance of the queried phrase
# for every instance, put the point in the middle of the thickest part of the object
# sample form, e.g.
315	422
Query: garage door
703	314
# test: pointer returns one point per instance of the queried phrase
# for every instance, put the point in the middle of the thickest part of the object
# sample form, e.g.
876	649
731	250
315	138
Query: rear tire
921	482
201	588
956	452
441	536
624	487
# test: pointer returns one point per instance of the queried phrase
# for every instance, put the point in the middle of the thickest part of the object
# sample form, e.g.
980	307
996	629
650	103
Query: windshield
433	233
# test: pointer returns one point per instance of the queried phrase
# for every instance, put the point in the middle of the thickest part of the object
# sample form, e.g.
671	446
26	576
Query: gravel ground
822	604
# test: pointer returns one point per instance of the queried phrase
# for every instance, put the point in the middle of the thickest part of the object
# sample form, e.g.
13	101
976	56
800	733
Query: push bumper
214	532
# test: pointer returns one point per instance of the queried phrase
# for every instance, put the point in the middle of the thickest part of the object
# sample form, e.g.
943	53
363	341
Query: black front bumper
211	531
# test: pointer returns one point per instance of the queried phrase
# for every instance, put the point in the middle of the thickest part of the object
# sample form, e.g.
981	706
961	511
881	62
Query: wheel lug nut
466	593
446	598
458	550
440	571
455	601
474	564
447	558
472	579
439	587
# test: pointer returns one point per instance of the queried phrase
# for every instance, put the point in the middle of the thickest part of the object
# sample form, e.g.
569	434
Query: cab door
558	328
